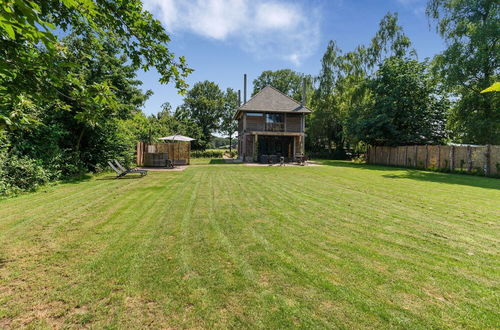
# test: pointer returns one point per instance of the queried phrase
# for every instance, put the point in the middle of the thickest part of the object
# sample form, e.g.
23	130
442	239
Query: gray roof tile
271	100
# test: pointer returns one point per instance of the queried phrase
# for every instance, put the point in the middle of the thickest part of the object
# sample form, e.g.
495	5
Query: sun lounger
122	171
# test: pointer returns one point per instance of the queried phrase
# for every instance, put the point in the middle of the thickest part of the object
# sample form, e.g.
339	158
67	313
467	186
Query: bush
324	154
209	153
21	174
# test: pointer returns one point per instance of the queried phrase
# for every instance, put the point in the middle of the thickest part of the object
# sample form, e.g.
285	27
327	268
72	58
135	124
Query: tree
470	64
29	46
228	124
342	90
405	108
326	123
79	126
286	81
204	105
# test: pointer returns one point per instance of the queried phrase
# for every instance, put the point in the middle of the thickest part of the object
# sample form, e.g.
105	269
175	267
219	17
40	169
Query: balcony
274	127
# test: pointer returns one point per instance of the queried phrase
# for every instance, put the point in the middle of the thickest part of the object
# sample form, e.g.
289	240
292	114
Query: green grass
341	245
210	161
206	161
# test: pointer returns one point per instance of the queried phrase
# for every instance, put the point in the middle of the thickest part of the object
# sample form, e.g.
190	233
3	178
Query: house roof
269	99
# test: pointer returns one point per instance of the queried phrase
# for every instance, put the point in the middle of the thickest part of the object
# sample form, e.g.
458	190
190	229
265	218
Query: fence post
426	156
469	158
416	155
487	169
406	156
439	157
452	158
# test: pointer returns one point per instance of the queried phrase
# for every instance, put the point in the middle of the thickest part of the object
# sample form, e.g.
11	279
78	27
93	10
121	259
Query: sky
223	39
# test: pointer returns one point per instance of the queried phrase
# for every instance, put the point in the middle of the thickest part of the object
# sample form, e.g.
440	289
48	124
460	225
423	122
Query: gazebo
176	148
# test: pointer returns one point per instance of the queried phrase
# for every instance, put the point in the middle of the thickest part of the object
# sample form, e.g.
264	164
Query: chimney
303	103
245	88
239	97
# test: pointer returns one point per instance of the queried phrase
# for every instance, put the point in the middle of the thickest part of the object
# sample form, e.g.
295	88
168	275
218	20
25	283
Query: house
271	123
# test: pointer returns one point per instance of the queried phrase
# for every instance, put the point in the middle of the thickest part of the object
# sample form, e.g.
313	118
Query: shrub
324	154
21	174
209	153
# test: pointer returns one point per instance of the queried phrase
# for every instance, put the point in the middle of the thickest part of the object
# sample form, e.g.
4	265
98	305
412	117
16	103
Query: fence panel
444	157
477	159
460	158
432	158
494	160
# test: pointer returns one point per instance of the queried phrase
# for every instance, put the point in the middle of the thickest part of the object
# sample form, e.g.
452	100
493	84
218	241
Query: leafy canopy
470	64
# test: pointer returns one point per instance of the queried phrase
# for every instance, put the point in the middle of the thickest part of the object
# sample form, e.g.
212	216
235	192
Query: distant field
339	245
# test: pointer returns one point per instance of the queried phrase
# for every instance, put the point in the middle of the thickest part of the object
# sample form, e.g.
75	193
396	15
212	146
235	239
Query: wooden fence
471	158
177	151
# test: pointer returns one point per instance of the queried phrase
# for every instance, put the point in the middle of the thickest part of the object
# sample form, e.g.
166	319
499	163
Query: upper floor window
274	118
254	114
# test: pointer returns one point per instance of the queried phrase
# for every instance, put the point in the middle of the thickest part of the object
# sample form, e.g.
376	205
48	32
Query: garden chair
121	171
130	170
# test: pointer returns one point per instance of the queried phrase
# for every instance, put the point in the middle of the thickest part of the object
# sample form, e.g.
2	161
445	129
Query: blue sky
223	39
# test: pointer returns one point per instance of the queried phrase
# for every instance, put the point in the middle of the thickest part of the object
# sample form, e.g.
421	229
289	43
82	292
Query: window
274	118
254	114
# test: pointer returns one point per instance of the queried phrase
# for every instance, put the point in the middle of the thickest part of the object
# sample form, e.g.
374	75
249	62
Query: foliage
221	143
470	64
29	49
203	106
228	125
208	153
326	122
21	174
79	121
286	81
405	109
342	87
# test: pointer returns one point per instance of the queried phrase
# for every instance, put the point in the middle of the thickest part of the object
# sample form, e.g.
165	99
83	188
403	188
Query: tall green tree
405	107
29	47
204	105
286	81
228	125
326	122
79	125
470	64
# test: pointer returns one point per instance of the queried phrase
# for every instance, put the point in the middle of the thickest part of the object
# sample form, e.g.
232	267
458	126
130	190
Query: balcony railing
274	127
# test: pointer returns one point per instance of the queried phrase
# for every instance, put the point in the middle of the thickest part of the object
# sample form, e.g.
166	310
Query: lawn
339	245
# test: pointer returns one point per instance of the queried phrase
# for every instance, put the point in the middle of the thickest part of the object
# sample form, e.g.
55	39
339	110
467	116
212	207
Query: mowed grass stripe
284	189
28	213
268	247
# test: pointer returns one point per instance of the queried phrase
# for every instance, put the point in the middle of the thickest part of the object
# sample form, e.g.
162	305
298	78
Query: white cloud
267	29
417	6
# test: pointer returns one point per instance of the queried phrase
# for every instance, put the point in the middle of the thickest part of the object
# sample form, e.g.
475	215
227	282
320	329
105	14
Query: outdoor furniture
156	159
282	161
121	171
301	159
264	159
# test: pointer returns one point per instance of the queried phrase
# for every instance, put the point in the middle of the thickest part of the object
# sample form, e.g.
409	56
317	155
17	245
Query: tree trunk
79	141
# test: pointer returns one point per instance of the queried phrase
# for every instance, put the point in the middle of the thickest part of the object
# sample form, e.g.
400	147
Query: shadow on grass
217	161
421	175
77	179
113	177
